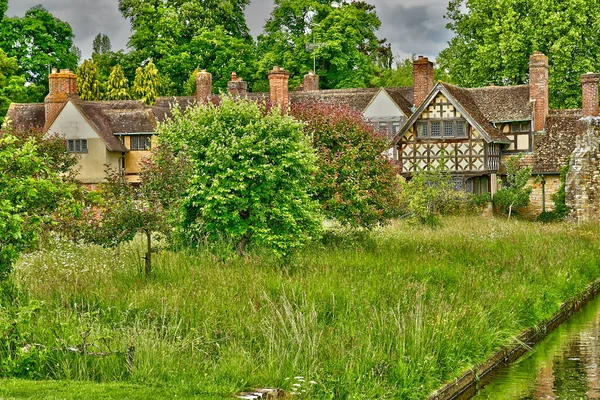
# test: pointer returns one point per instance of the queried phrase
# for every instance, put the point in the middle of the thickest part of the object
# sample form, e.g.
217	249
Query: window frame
77	146
145	139
424	129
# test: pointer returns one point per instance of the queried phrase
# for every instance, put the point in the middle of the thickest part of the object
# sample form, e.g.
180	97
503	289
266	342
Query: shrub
252	176
31	190
513	192
355	181
430	193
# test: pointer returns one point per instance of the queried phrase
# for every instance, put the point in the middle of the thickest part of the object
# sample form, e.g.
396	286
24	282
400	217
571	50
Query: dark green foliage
38	41
493	41
33	185
252	176
347	49
12	86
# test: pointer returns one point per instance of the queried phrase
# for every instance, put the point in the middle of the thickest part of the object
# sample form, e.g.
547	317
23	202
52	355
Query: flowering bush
355	181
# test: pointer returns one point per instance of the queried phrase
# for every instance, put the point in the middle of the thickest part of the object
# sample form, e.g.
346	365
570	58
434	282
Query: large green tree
252	176
38	41
117	88
146	83
182	35
494	38
339	35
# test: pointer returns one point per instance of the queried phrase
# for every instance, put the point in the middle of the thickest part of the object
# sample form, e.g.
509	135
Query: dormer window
141	142
519	132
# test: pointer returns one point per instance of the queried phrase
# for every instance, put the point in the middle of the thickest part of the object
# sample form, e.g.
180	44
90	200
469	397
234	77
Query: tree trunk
243	244
148	269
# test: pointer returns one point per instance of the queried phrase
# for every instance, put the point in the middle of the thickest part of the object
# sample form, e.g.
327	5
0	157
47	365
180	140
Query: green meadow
390	313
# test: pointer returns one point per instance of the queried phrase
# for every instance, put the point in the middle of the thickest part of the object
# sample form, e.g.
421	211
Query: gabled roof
462	100
503	103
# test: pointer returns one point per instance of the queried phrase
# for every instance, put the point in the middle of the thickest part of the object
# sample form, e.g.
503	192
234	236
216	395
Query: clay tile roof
503	103
26	116
552	148
464	98
403	98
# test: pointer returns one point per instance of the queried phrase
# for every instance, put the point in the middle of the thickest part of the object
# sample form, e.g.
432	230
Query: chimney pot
236	86
589	94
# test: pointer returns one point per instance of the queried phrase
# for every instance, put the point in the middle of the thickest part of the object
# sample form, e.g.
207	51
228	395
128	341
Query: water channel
565	365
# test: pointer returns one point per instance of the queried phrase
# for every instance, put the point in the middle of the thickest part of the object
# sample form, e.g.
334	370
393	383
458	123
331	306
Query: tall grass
391	313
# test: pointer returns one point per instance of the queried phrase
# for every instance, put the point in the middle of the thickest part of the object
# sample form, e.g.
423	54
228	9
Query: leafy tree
252	176
355	181
341	35
3	8
513	192
182	35
87	81
117	88
38	41
493	40
101	44
430	193
146	83
31	189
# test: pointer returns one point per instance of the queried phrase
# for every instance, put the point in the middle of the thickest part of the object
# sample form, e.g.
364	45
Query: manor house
472	131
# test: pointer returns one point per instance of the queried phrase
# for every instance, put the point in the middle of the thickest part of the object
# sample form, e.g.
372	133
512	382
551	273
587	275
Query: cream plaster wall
383	106
70	124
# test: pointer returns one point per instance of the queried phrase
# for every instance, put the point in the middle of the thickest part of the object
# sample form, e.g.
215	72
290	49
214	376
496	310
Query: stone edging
467	384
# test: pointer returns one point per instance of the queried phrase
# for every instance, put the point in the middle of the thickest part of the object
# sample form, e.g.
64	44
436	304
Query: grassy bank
392	313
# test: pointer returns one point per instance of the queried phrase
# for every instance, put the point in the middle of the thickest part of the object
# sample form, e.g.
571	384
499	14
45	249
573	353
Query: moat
565	365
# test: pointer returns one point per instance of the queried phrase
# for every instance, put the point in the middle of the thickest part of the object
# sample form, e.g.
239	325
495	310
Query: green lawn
389	314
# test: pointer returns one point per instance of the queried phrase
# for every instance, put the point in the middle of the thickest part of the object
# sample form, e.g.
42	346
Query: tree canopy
341	37
493	40
38	41
252	176
183	35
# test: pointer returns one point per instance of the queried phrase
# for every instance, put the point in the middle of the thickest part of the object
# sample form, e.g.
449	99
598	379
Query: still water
565	365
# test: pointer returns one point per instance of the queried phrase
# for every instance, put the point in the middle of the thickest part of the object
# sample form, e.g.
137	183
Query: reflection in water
565	365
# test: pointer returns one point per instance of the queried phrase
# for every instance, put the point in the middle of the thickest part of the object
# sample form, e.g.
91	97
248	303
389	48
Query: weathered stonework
583	179
540	195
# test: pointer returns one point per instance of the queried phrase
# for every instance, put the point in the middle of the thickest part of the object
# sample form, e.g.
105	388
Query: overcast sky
411	26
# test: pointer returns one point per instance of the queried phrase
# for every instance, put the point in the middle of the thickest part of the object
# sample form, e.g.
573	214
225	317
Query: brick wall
278	82
423	79
535	206
589	91
311	82
237	86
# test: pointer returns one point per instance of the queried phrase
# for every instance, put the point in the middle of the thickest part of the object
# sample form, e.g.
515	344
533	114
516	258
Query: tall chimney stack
589	91
62	85
538	89
203	86
423	79
278	82
311	82
237	86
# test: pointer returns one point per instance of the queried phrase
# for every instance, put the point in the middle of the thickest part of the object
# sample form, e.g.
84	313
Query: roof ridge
491	87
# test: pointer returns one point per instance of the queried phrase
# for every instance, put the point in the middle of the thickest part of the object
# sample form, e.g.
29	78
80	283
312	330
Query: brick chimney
589	91
538	89
203	86
423	79
62	85
278	81
237	86
311	82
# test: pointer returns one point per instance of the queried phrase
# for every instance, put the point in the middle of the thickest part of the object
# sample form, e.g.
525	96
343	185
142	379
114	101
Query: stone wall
583	179
536	199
